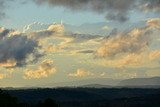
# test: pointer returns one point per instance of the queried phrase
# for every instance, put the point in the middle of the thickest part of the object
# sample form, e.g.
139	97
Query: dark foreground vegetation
80	97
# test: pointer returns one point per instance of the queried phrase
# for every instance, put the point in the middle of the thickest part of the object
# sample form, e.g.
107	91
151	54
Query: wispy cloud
2	76
154	54
81	73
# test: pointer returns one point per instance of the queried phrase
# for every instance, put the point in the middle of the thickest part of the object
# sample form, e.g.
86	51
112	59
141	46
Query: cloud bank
113	9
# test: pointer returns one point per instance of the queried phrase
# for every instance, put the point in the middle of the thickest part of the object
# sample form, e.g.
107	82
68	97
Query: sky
52	41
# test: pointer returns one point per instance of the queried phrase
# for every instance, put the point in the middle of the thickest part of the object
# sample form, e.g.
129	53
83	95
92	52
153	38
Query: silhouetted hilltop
95	86
155	81
85	97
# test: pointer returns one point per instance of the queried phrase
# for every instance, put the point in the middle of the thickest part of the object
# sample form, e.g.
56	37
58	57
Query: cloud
81	73
130	48
102	74
35	26
4	32
8	63
2	76
81	38
154	54
51	31
55	39
115	9
130	59
105	27
150	5
53	48
134	41
86	51
5	73
45	69
57	31
117	16
154	23
112	9
15	48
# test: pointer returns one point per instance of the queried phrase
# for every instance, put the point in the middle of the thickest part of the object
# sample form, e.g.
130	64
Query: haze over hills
140	81
108	83
153	82
100	81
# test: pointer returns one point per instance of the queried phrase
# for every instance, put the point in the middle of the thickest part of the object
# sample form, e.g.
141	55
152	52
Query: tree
47	103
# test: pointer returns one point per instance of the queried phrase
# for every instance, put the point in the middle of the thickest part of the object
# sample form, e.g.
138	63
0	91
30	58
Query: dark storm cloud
15	48
3	32
120	17
150	5
113	9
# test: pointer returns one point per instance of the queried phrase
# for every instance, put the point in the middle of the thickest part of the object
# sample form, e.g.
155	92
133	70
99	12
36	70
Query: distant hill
154	81
78	83
96	86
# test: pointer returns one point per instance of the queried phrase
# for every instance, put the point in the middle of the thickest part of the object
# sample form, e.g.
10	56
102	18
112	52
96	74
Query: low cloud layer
112	9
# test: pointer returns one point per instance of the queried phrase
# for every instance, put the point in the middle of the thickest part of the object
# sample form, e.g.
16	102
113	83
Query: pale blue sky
18	15
24	14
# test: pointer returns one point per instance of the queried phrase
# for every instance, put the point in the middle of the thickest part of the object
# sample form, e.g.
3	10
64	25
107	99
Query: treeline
7	100
80	97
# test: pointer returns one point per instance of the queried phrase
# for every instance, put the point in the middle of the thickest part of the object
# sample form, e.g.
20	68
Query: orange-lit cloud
15	47
135	41
45	69
8	63
131	48
155	23
154	54
2	76
81	73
